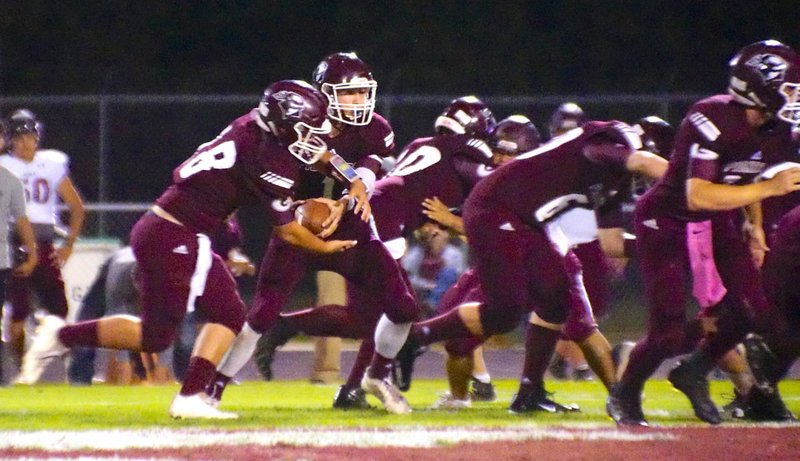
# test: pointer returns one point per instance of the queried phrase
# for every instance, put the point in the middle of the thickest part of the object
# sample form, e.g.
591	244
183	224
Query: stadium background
129	90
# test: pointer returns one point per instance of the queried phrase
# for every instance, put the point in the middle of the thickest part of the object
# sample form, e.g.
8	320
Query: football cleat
527	401
736	408
44	348
387	393
196	407
351	399
582	373
448	402
482	392
558	368
694	384
625	411
766	405
762	362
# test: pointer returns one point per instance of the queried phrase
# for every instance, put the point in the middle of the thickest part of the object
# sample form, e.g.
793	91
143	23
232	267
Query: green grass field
299	404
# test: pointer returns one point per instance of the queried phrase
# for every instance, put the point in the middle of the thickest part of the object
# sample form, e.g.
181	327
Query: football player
257	159
686	231
362	138
445	165
521	222
45	175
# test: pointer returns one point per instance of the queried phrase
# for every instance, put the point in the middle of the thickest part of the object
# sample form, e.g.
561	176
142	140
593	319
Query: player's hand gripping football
330	224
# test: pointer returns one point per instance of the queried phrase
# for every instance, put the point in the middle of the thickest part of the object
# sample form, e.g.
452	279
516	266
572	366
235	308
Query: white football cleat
387	393
45	347
448	402
195	407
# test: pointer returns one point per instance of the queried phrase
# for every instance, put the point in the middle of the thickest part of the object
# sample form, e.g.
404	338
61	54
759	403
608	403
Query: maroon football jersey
446	166
560	175
714	142
361	146
243	165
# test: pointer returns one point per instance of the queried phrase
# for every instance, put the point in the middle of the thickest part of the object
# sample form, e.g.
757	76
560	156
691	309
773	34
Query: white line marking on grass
396	437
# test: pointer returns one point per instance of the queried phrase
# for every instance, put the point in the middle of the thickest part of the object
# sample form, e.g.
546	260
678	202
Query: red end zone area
778	442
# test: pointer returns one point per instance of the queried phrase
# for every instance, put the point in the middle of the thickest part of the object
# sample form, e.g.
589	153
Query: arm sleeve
17	202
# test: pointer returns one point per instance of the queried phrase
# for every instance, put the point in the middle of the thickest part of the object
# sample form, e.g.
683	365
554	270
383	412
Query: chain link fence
123	149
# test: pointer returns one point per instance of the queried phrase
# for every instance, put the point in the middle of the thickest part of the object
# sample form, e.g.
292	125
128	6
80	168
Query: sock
240	352
485	378
444	327
199	374
217	387
380	367
390	336
363	359
79	334
540	343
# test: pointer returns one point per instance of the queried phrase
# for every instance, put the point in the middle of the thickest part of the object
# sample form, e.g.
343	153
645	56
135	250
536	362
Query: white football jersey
41	179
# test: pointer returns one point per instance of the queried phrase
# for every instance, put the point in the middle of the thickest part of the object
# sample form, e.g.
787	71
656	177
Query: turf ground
294	420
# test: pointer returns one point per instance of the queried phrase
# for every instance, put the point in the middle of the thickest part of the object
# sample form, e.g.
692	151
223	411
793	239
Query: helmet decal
291	104
771	67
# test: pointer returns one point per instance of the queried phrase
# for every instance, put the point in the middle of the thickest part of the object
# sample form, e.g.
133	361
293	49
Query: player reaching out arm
257	159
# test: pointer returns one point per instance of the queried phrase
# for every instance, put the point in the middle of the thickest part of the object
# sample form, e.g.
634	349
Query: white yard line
403	437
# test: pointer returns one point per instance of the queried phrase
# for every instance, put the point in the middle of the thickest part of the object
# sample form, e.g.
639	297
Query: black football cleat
766	405
736	408
762	362
351	399
532	402
482	392
693	383
625	411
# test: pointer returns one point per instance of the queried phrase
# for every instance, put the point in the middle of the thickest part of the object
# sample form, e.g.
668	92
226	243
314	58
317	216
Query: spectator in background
433	264
45	175
12	210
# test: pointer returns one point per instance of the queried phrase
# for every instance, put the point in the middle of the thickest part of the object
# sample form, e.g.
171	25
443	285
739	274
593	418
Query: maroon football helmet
466	115
766	74
566	117
514	135
296	113
657	135
345	72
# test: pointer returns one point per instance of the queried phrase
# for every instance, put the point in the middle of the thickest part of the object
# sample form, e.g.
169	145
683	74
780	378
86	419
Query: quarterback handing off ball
311	215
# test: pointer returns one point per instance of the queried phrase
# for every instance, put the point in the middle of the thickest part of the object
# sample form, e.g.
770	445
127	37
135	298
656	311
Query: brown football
311	215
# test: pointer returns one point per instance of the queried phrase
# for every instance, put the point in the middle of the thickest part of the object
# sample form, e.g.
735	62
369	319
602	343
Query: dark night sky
488	48
492	47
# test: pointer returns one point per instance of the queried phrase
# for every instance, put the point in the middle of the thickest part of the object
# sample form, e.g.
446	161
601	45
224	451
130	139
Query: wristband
341	170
